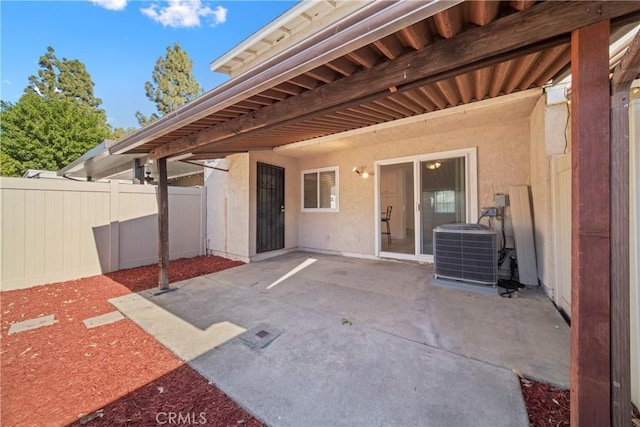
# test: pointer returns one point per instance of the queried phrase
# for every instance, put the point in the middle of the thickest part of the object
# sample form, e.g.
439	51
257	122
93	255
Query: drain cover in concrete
260	336
27	325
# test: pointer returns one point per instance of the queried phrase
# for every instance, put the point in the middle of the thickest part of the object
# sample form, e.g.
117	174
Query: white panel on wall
634	246
522	220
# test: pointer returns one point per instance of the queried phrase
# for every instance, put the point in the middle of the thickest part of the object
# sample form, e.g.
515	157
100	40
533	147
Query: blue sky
119	41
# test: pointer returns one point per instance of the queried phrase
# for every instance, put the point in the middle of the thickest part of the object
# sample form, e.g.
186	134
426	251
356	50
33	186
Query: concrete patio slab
321	372
414	354
103	319
525	333
27	325
185	340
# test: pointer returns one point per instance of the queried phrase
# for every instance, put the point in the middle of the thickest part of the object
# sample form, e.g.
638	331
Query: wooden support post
590	239
163	225
621	81
620	326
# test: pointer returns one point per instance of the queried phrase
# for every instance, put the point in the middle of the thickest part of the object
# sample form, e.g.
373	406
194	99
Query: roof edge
286	16
356	28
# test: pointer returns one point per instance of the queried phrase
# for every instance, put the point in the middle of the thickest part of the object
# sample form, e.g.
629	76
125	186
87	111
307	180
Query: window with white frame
320	190
444	201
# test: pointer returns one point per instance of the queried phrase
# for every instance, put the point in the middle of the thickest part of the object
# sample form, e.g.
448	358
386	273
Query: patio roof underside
427	66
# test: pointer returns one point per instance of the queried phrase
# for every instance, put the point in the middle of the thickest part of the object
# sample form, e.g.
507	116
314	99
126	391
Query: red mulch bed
546	405
117	374
58	374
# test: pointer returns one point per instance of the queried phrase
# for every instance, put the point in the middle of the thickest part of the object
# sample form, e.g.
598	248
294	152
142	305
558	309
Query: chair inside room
386	219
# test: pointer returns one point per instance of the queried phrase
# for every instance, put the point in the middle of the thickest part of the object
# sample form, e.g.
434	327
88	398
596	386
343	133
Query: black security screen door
270	215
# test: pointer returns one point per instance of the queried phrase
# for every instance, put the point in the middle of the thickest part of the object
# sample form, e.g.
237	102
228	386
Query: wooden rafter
364	56
519	72
343	66
629	67
322	73
483	11
449	22
415	37
390	46
474	49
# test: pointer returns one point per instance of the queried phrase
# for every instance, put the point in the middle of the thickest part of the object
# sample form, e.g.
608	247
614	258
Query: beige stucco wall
228	208
503	160
352	229
498	129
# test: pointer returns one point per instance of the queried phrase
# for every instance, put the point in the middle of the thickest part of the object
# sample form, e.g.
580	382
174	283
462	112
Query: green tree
68	78
173	83
40	133
118	133
56	120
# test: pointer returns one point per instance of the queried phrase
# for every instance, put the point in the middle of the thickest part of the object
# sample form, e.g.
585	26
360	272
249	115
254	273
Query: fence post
114	222
203	220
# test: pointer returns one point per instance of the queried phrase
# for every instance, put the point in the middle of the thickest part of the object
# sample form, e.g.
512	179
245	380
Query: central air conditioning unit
466	252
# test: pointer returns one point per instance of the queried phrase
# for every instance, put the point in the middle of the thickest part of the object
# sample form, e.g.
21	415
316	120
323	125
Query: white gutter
281	20
97	152
362	27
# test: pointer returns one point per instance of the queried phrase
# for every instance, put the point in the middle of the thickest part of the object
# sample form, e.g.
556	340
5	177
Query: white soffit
302	20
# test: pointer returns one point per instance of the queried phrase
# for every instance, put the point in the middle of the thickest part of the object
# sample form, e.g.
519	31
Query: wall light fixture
362	171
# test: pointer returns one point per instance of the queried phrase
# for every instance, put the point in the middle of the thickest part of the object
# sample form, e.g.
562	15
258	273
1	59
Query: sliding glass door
442	196
423	192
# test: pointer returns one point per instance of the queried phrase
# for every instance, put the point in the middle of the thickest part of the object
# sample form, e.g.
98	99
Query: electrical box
489	212
501	200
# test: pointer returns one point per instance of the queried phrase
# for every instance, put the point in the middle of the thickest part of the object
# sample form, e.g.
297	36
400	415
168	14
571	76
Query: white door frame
471	189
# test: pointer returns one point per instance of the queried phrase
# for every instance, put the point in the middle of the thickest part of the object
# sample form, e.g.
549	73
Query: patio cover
390	60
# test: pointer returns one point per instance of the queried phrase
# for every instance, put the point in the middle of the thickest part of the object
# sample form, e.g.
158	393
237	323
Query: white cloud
6	82
185	13
111	4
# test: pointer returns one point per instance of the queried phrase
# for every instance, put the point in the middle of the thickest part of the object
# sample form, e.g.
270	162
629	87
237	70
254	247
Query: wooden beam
510	34
163	225
590	248
621	80
629	67
379	97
